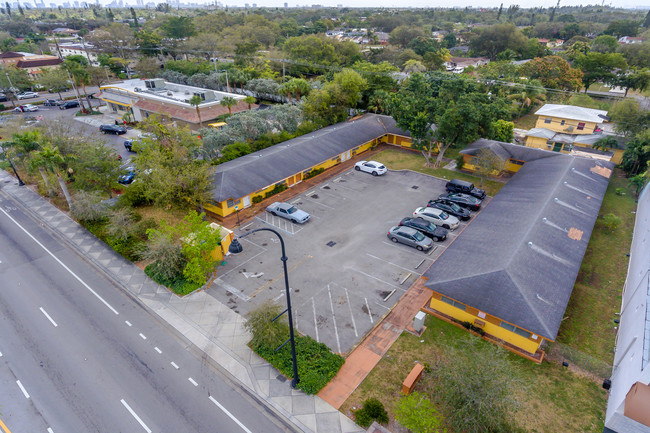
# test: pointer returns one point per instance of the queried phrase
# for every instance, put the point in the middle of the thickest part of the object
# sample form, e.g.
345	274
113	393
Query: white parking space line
406	251
174	365
22	388
135	415
336	331
382	306
313	307
49	430
192	381
232	417
48	317
379	279
354	325
128	323
158	350
242	264
61	263
369	312
143	336
391	263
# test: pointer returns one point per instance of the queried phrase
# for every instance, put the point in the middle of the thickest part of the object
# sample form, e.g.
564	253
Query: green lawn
552	398
397	159
589	318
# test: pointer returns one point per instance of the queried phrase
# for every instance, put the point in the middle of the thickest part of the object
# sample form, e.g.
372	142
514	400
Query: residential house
458	64
629	395
512	271
67	49
243	181
626	40
65	31
572	129
551	43
34	64
142	98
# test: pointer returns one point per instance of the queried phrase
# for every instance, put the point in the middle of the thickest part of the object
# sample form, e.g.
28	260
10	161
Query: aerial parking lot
344	272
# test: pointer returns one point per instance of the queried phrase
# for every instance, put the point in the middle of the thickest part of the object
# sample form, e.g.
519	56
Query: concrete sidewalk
207	323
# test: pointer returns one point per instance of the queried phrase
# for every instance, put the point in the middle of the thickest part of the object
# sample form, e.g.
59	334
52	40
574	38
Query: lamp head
235	247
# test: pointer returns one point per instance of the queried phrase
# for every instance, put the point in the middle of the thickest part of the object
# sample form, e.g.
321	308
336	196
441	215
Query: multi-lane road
78	354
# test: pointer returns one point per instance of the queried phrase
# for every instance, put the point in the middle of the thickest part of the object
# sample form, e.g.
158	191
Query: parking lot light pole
235	248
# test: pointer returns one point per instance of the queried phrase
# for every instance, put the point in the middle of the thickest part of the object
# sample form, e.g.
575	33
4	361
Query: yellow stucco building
572	129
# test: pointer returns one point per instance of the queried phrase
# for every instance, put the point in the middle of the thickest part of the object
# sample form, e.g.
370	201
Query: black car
430	230
464	200
462	186
128	145
112	129
69	104
451	208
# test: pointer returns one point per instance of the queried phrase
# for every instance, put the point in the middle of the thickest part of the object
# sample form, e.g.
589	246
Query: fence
586	362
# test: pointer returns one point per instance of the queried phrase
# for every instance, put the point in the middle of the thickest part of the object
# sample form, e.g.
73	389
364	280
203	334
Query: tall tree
229	102
600	67
50	159
195	101
553	72
490	41
136	24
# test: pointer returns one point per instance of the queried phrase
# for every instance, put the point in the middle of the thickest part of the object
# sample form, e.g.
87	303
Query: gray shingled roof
572	112
506	151
516	260
247	174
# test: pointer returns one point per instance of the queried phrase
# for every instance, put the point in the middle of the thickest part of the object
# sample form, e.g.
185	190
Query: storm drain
330	243
414	187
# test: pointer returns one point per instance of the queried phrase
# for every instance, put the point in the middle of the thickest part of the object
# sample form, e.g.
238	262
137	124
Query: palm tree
49	159
228	101
195	101
250	100
22	145
299	86
286	89
607	142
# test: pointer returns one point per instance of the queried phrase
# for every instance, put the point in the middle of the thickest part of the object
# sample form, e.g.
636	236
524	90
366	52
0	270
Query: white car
438	217
27	95
26	107
288	211
373	167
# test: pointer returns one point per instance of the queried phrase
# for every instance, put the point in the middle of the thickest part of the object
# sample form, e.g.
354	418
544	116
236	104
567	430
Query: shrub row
179	285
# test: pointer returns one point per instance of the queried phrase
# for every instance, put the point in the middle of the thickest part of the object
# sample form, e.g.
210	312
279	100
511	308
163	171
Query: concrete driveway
344	272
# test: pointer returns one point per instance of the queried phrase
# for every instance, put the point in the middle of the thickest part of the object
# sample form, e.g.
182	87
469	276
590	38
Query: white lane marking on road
368	308
378	279
22	388
354	325
49	430
135	415
61	263
128	323
192	381
232	417
143	336
313	307
0	354
48	317
174	365
158	350
336	330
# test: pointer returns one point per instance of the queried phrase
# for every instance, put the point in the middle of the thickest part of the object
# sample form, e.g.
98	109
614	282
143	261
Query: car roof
405	229
284	205
432	210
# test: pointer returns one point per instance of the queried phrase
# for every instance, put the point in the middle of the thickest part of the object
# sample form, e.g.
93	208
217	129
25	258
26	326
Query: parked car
3	97
462	186
438	217
128	145
128	177
411	237
26	108
27	95
288	211
112	129
69	104
51	102
464	200
373	167
431	230
451	208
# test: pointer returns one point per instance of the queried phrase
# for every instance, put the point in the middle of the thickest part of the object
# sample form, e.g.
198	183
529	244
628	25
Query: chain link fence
560	353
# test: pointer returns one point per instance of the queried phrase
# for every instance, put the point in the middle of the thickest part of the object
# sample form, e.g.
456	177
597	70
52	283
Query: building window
547	120
581	126
562	122
450	301
232	203
516	162
513	328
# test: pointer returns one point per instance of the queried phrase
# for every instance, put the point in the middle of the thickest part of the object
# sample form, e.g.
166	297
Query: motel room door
246	201
345	156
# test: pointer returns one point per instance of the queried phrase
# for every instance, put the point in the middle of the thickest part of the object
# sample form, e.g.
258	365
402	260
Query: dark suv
457	185
428	229
69	104
112	129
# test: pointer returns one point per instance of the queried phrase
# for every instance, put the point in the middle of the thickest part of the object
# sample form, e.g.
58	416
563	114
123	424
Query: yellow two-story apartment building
572	129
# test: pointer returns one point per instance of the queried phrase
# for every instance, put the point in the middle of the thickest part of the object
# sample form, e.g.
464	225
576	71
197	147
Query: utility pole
76	92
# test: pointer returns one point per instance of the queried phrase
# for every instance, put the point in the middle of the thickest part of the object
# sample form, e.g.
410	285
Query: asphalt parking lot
344	273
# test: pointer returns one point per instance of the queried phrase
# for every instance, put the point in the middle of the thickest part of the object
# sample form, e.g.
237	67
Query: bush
276	190
178	285
317	365
257	199
128	248
88	206
620	191
372	410
134	195
460	162
314	172
611	221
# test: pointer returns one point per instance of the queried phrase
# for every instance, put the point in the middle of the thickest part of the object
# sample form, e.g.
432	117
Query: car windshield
444	215
418	236
292	209
455	207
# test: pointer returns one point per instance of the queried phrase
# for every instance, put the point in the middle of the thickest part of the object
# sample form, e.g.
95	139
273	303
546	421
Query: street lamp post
236	247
